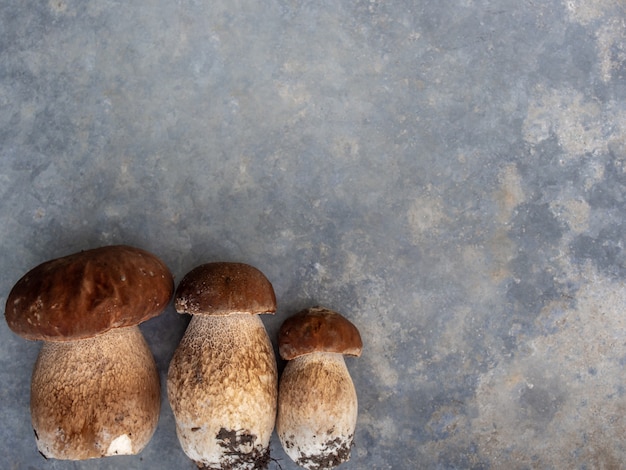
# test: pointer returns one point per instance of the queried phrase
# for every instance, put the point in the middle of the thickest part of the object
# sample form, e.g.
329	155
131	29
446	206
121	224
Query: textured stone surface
450	176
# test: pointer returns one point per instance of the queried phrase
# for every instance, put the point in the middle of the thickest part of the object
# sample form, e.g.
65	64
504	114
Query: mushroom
222	380
317	402
95	388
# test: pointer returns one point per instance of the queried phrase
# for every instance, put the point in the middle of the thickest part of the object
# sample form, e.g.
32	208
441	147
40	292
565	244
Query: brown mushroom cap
87	293
223	288
318	329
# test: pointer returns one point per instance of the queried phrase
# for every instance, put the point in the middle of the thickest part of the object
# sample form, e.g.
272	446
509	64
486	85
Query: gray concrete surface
449	175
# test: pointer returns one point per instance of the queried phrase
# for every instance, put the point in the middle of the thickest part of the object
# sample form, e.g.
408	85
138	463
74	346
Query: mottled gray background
450	175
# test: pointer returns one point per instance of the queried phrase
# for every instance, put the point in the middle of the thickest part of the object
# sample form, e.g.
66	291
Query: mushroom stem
222	386
95	397
317	410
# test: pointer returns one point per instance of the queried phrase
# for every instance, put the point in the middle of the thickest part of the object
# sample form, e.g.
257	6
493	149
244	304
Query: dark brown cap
223	288
87	293
318	329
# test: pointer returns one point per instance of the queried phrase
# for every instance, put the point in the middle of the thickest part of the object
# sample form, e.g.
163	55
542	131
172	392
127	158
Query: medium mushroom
95	388
222	380
317	402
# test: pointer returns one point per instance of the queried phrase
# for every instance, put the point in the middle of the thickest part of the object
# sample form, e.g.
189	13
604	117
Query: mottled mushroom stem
317	411
95	397
222	385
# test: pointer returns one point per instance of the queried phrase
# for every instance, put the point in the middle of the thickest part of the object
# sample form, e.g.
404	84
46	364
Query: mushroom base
95	397
317	410
222	386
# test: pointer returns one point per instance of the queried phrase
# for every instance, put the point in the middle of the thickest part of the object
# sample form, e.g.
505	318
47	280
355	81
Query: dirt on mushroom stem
258	459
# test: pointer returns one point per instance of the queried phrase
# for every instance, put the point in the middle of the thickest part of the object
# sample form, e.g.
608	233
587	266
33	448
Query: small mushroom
95	388
222	380
317	402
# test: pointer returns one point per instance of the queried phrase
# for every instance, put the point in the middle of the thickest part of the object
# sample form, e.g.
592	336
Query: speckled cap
223	288
318	329
87	293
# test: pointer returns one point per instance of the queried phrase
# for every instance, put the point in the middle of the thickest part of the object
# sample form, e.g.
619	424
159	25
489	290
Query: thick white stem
222	386
95	397
317	410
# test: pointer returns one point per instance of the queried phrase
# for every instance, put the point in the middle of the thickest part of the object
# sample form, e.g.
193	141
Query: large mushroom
222	380
317	402
95	388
